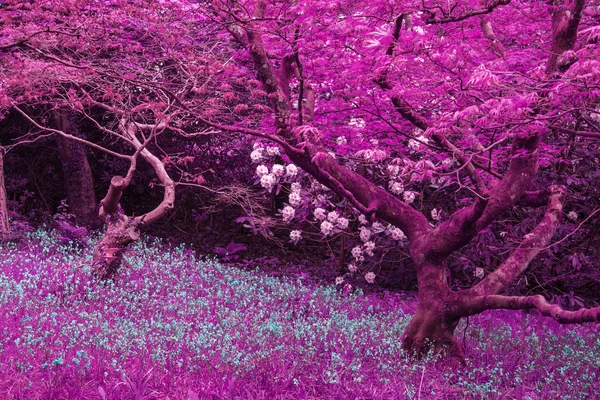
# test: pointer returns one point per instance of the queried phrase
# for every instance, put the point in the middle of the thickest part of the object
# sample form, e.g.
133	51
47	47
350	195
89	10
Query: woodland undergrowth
176	325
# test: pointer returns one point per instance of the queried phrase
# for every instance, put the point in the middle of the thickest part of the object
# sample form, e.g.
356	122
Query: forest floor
176	325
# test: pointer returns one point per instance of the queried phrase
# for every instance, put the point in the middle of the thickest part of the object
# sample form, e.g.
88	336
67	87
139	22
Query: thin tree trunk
79	182
4	224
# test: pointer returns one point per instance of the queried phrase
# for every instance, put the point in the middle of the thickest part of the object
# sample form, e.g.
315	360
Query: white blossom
341	140
352	267
268	181
396	187
288	213
397	234
342	222
278	170
295	236
370	277
296	187
339	280
357	122
257	155
332	216
356	252
479	273
408	197
320	214
362	219
273	151
291	170
294	199
572	215
326	228
435	214
378	155
365	234
262	170
414	145
374	142
377	227
369	247
393	170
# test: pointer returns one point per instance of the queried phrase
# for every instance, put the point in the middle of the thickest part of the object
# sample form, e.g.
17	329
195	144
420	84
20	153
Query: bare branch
533	243
478	304
447	18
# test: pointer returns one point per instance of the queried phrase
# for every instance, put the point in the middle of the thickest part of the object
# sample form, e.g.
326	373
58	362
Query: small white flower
288	213
294	199
414	145
397	234
341	140
374	142
370	277
342	222
291	170
296	187
278	170
357	122
572	215
369	247
423	139
447	162
435	214
339	280
377	227
352	267
396	187
326	228
295	236
393	170
268	181
320	214
257	145
257	155
365	234
356	252
378	155
332	216
362	219
262	170
479	273
409	197
273	151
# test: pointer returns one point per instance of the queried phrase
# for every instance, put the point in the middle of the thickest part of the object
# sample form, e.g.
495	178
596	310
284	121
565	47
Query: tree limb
478	304
530	247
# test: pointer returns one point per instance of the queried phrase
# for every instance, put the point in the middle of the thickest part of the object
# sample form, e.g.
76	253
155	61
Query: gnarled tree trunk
78	179
121	230
4	223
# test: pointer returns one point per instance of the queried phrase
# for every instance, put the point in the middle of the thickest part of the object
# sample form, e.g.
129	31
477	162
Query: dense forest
299	199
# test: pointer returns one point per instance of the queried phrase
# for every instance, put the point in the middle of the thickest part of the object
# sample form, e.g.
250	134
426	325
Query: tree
476	96
129	75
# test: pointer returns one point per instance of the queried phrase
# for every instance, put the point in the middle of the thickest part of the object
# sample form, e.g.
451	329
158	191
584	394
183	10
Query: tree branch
432	20
478	304
530	247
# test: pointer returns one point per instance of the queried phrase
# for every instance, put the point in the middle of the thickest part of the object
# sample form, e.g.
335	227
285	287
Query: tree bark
431	330
121	230
4	223
78	179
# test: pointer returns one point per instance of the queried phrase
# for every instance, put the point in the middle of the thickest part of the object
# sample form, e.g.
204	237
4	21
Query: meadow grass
174	325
